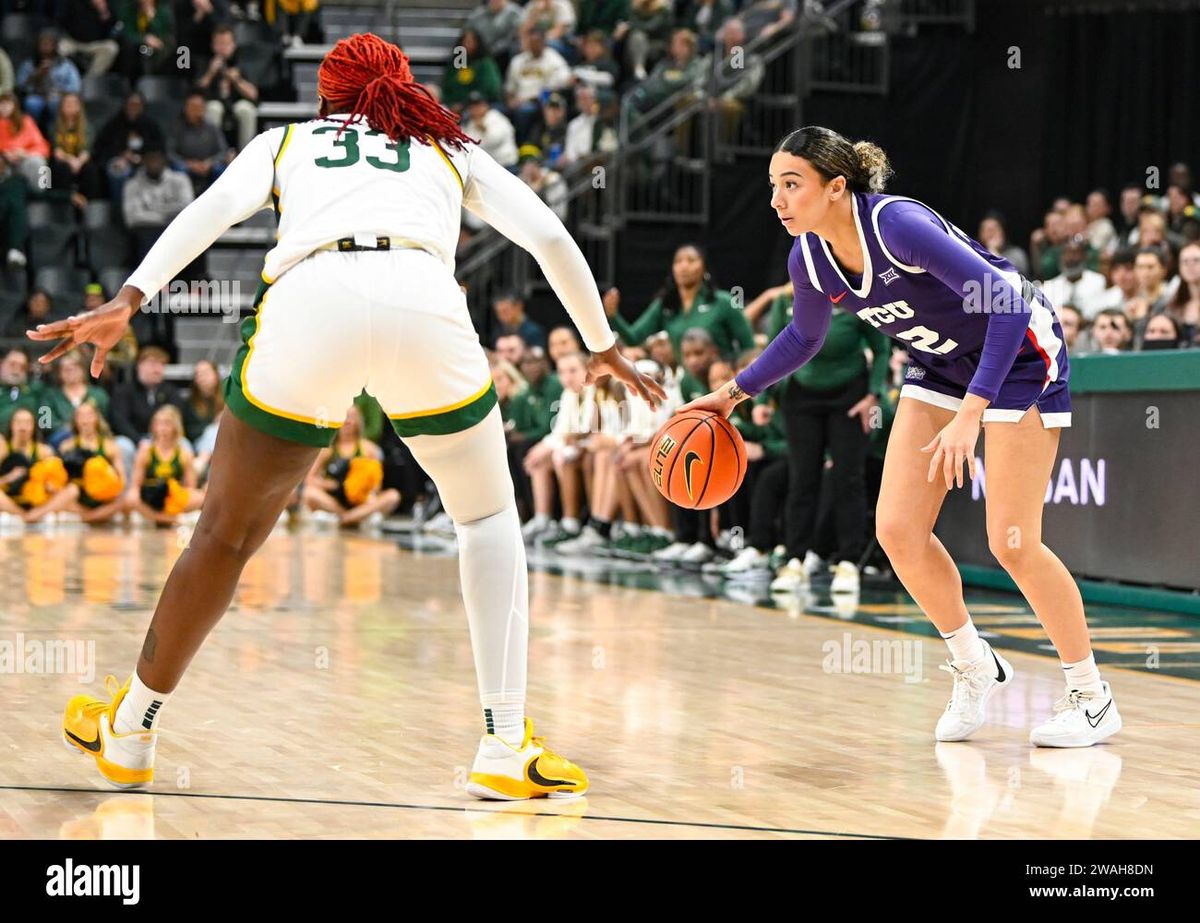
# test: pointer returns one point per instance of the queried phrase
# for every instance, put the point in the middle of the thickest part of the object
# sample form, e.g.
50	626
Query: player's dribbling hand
611	362
103	328
951	447
721	401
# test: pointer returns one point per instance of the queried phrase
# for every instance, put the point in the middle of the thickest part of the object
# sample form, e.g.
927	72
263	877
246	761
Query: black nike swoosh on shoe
538	779
93	746
999	669
1095	721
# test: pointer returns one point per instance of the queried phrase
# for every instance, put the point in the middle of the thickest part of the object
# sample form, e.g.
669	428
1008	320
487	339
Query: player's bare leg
384	502
1019	461
252	477
908	507
250	481
63	501
317	498
570	483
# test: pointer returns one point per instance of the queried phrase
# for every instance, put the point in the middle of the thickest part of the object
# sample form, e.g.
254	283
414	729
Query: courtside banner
1123	501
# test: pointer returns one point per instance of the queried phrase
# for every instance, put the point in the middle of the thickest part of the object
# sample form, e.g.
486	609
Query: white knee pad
470	468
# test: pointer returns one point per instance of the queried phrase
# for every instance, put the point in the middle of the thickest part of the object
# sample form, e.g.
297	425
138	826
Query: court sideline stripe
440	807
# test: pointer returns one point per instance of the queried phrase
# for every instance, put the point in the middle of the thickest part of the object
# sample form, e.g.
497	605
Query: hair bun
873	162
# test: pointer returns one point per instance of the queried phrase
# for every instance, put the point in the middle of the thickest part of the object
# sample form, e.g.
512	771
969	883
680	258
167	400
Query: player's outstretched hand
721	401
611	362
103	328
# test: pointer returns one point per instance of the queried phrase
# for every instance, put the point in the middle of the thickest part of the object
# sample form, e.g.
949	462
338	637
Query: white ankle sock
965	643
506	721
140	709
569	524
1084	675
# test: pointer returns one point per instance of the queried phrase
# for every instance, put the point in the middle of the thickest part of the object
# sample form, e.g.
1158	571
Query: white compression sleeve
512	208
471	474
239	192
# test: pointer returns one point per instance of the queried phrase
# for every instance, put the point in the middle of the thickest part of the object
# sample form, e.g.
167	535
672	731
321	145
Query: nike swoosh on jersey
839	297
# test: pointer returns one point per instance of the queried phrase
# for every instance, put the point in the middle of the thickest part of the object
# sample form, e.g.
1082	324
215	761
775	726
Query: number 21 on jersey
926	340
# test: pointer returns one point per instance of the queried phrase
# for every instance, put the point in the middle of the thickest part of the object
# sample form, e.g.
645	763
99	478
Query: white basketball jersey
326	187
334	180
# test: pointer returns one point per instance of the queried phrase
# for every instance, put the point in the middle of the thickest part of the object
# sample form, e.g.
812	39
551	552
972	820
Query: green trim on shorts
450	421
251	414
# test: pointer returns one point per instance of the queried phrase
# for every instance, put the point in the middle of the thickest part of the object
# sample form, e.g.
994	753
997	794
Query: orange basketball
697	459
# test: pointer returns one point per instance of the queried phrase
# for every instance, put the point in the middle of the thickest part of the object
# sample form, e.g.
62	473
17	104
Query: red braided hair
371	79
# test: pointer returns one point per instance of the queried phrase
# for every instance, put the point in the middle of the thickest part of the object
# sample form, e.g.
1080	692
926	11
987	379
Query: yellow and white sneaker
506	773
124	760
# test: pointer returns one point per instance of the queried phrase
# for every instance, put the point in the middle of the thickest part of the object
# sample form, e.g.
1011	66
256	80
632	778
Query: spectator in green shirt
830	406
705	17
16	390
149	25
73	389
650	23
205	400
541	382
608	16
694	541
683	67
471	68
687	299
755	508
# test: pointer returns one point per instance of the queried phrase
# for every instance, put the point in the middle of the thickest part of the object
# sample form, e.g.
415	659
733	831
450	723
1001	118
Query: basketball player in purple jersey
985	349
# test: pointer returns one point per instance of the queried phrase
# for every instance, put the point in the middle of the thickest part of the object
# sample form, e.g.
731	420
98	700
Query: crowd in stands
544	86
102	142
1123	278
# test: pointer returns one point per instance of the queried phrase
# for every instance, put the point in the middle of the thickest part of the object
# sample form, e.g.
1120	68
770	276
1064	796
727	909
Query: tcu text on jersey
918	337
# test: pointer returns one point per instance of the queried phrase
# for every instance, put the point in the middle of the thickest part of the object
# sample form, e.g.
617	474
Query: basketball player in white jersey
358	292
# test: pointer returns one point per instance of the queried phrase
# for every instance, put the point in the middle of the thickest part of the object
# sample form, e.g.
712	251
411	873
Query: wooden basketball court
337	699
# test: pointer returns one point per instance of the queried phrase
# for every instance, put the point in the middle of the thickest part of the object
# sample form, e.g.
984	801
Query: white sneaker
725	540
699	553
441	524
323	518
791	578
814	564
974	684
586	543
747	561
16	258
534	528
671	553
1080	720
372	522
845	578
